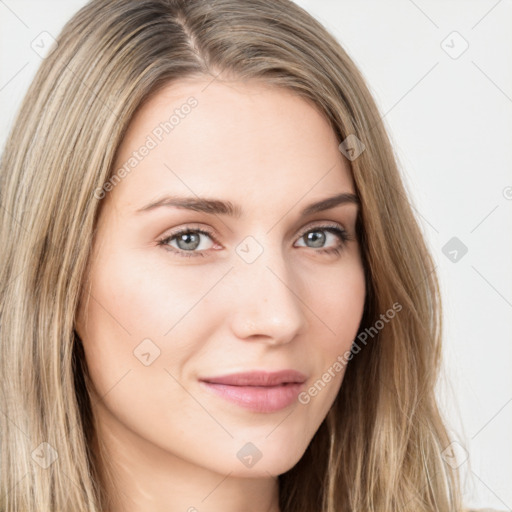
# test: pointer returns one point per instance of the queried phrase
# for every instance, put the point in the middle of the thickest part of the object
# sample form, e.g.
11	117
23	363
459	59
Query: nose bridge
268	304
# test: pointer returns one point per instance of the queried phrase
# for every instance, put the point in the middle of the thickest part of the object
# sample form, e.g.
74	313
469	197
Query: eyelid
321	225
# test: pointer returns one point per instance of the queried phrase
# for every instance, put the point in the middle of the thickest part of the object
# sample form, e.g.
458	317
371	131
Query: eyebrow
217	206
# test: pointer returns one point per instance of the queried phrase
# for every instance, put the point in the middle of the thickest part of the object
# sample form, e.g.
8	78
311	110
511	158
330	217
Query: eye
317	237
188	240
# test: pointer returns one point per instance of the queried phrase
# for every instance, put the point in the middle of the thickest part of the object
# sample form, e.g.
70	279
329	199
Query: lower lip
258	398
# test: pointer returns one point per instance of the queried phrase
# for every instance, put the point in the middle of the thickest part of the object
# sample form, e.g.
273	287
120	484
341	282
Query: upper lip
258	378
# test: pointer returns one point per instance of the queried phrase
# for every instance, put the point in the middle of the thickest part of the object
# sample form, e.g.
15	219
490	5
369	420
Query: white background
450	120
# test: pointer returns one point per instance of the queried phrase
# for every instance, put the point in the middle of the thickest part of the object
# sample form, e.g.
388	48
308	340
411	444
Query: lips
258	378
261	392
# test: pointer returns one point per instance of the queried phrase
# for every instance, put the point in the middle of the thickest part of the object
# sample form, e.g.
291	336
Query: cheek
140	333
338	311
136	308
339	308
144	298
340	304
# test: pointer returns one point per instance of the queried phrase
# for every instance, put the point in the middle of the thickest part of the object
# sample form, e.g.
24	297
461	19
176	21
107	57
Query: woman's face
269	288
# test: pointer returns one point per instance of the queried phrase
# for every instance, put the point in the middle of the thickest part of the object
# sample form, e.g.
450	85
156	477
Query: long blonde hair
380	446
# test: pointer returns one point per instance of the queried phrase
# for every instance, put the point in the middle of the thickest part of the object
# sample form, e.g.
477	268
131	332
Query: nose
267	305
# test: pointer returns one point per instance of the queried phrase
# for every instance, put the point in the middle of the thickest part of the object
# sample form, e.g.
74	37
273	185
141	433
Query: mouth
261	392
263	399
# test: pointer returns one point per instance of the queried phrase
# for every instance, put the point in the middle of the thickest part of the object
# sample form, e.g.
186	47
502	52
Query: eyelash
342	234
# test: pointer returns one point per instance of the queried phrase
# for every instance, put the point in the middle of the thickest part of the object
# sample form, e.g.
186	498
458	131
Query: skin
172	444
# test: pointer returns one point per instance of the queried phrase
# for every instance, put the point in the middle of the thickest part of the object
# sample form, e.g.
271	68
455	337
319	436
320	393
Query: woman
214	291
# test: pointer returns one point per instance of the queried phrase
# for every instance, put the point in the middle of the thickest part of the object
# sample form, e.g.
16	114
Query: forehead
208	137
